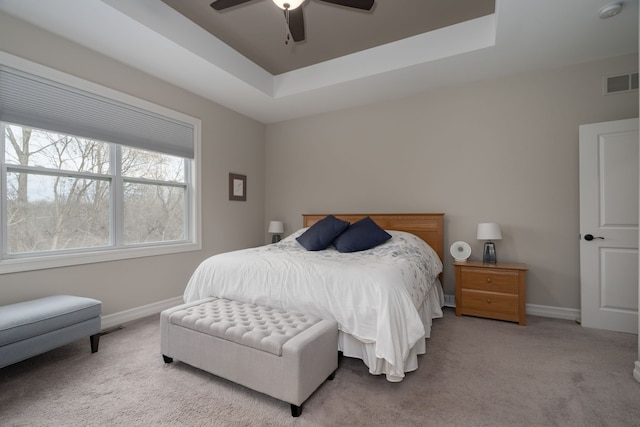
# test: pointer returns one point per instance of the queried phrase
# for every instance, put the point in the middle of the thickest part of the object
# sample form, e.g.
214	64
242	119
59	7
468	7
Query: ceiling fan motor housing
288	4
293	12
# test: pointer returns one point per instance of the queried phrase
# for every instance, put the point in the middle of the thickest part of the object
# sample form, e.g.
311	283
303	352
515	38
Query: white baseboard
115	319
534	310
449	300
112	320
555	312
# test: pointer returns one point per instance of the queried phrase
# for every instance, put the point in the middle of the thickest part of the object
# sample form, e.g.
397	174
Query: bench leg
95	340
332	375
296	410
167	359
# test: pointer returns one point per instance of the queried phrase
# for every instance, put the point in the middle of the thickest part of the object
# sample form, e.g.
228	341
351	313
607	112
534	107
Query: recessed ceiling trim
162	19
456	39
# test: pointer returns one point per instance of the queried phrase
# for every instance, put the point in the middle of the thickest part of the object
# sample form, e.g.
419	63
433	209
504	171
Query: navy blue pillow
320	235
361	235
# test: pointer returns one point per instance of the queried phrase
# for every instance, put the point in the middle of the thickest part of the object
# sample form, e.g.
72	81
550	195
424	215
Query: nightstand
496	291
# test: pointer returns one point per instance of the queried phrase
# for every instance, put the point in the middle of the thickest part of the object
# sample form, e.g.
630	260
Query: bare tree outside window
153	213
154	208
60	193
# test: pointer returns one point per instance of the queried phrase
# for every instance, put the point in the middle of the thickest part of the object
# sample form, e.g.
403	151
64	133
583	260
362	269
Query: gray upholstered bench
284	354
33	327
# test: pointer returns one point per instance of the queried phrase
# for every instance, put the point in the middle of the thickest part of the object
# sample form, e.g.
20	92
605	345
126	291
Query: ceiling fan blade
296	24
225	4
358	4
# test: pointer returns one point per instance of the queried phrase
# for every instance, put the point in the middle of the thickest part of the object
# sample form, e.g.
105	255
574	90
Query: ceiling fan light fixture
288	4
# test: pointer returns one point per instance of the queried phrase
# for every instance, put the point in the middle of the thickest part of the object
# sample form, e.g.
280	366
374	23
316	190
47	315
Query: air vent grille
621	83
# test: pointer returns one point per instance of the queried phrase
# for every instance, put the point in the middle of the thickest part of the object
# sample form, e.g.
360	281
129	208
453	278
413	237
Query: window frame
65	258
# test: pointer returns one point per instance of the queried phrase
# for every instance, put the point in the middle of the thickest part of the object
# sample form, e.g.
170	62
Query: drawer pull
488	280
488	301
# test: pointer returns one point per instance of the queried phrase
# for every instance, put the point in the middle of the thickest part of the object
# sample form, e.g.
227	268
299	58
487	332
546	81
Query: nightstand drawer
497	291
490	304
487	279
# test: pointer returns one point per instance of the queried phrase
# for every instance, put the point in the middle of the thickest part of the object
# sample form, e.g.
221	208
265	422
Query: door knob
590	237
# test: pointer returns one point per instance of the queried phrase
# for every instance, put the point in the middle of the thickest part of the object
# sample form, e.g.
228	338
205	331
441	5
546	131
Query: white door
609	225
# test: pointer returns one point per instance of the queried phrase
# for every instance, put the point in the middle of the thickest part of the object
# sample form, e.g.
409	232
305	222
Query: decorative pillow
320	235
361	235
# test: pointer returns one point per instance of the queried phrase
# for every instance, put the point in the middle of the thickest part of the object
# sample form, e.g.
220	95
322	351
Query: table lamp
489	231
276	228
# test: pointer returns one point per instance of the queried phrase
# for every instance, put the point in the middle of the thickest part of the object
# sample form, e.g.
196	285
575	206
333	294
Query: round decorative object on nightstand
460	251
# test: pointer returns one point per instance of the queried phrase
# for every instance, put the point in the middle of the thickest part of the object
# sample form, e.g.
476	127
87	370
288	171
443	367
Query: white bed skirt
352	347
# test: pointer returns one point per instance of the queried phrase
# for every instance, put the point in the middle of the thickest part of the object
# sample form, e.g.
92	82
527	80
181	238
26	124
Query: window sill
66	260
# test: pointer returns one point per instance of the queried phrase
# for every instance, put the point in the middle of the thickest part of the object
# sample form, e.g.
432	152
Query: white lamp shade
489	231
276	227
293	4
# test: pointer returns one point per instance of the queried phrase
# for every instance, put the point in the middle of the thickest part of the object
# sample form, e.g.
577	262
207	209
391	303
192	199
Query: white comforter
372	294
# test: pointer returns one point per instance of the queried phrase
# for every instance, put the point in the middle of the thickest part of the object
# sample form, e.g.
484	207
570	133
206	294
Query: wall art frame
237	187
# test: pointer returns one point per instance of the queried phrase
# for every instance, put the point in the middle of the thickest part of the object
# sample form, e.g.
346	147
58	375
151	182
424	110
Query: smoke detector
609	10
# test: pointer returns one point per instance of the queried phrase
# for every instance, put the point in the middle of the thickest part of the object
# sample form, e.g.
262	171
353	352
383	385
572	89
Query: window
122	189
154	196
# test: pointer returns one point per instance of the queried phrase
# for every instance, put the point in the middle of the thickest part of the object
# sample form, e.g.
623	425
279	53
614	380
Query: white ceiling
522	35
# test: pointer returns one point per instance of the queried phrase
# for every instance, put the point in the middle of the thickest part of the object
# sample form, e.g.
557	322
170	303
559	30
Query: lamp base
275	238
489	253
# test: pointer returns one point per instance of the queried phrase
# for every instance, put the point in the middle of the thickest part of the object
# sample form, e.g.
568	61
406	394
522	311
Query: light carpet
476	372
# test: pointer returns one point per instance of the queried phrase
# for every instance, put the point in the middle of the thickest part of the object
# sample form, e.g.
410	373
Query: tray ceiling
257	29
367	65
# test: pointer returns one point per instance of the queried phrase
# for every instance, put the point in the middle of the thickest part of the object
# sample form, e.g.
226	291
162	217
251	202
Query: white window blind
34	101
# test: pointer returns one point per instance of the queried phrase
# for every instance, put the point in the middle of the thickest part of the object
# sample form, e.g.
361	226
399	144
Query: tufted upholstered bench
284	354
33	327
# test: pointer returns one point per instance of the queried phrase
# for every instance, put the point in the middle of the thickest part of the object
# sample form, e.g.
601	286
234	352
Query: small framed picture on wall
237	187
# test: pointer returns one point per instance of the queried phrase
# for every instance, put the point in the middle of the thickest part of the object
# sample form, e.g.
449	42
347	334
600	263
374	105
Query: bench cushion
28	319
263	328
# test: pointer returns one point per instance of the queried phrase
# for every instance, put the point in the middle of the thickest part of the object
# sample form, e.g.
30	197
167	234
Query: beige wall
230	143
504	151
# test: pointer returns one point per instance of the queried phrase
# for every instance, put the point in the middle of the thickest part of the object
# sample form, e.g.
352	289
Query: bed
384	299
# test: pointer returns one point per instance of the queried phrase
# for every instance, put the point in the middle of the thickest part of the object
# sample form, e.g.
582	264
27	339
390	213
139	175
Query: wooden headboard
428	226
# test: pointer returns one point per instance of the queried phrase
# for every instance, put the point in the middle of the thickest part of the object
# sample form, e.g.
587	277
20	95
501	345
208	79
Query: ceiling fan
293	11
